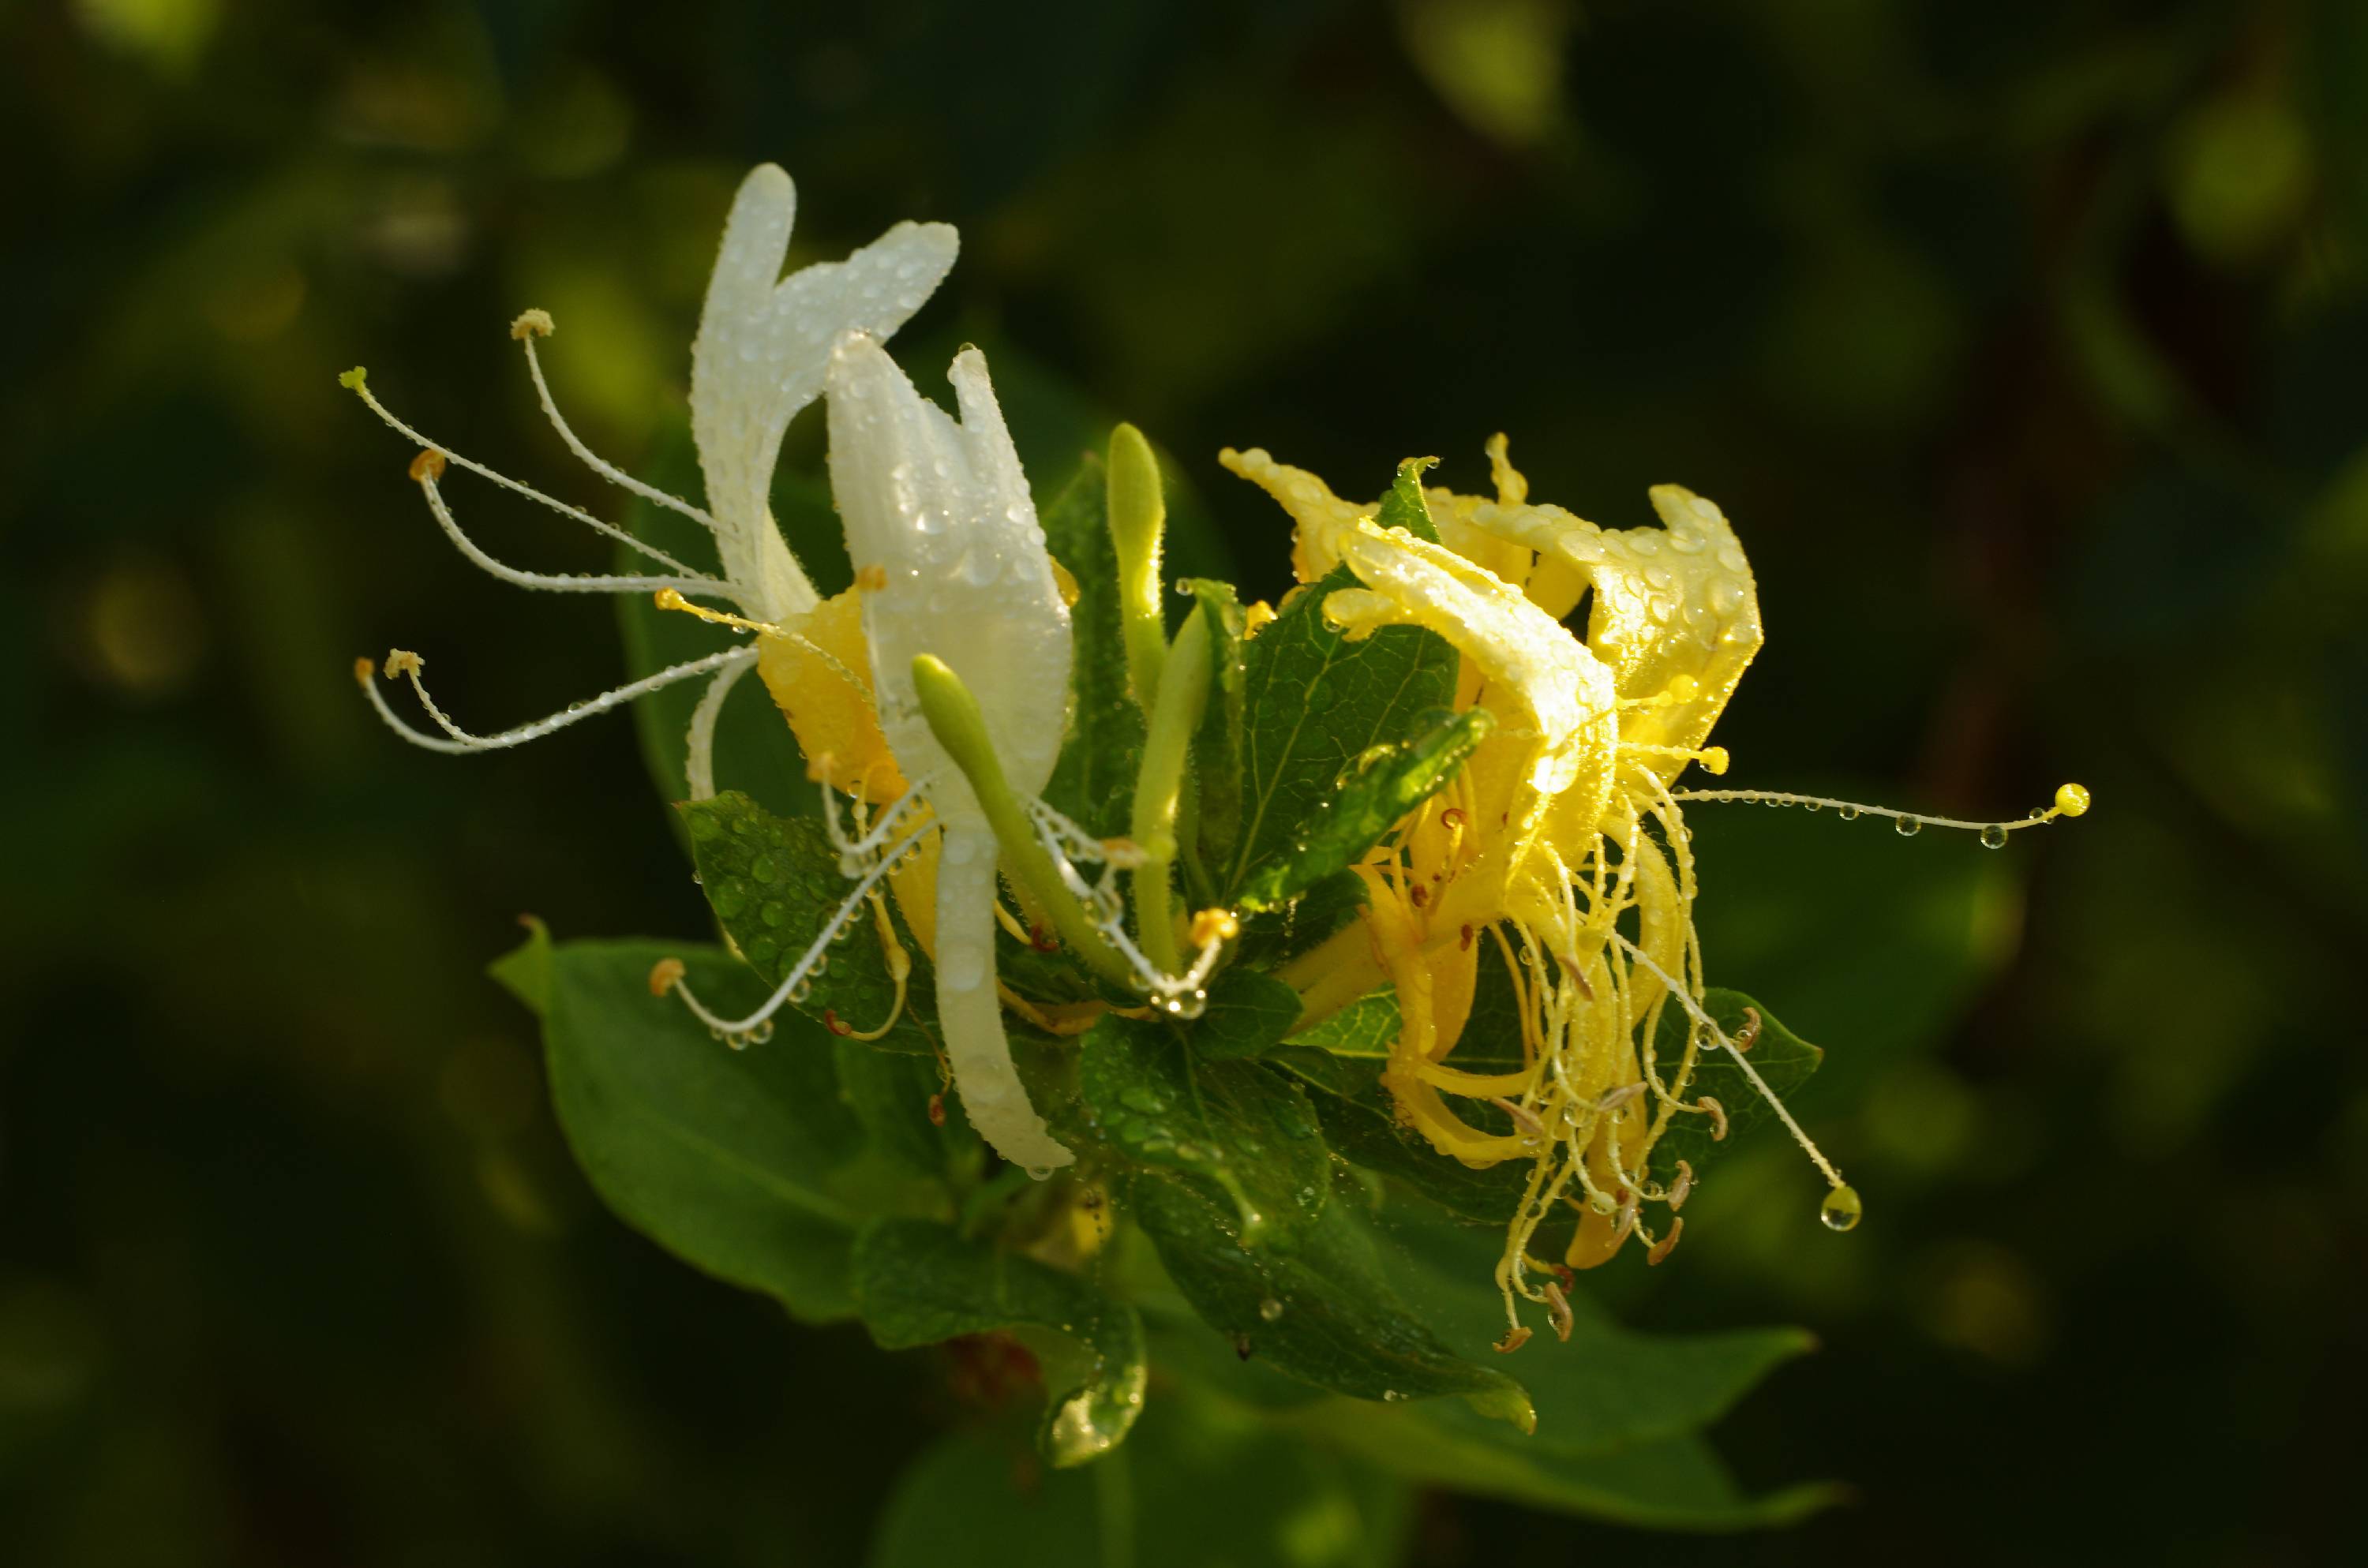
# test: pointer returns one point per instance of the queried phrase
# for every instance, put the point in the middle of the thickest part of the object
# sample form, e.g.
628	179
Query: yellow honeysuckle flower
1561	851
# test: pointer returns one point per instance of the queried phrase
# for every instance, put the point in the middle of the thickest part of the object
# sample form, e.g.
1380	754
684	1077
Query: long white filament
699	740
803	969
362	389
599	465
462	741
1694	1009
564	583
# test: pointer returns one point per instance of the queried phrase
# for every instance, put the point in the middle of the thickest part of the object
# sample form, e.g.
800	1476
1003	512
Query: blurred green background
2022	341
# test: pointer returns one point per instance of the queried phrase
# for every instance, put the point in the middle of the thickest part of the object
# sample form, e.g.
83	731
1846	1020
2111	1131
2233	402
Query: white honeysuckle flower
951	562
939	513
762	353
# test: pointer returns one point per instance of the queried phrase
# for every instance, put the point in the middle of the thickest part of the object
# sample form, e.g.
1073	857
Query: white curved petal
970	1011
942	509
762	354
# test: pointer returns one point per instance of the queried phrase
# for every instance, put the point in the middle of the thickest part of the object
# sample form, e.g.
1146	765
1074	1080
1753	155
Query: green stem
1114	1511
1159	787
961	729
1138	515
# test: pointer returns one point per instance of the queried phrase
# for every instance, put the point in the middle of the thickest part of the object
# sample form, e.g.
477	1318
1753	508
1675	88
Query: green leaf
773	882
1202	1484
890	1096
1403	506
1272	937
1093	782
1617	1411
1782	1059
1216	801
1247	1013
921	1283
525	970
1314	703
1324	1313
1387	780
1247	1131
1361	1125
1365	1027
740	1162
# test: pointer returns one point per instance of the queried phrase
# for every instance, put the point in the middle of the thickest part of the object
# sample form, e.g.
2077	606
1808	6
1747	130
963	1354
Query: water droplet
1848	814
1392	1396
1909	826
1270	1309
1993	836
800	992
1842	1209
1039	1173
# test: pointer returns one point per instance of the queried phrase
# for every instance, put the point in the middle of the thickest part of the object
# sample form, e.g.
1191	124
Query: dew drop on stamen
1909	826
1842	1209
1993	836
1271	1310
1848	814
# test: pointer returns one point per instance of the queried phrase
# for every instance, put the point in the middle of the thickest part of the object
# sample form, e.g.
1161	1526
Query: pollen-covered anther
835	1023
1558	1310
1514	1339
1717	1119
1613	1099
402	662
1123	853
427	467
1214	925
1668	1244
2072	800
532	323
664	975
1523	1116
1682	1188
937	1108
1747	1036
1714	759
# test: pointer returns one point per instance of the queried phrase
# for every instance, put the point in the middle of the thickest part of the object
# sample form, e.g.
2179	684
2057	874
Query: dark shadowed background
2024	342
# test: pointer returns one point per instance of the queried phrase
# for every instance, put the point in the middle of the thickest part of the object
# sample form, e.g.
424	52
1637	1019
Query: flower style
760	356
1561	852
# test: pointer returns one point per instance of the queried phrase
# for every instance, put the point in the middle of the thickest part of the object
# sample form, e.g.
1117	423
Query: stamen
571	583
698	740
1682	1189
402	663
1717	1113
533	324
1694	1008
1668	1244
670	598
1515	1337
357	382
2071	800
664	975
1558	1310
795	982
900	970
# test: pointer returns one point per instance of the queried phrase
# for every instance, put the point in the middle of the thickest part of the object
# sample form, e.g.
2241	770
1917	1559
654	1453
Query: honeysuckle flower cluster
932	700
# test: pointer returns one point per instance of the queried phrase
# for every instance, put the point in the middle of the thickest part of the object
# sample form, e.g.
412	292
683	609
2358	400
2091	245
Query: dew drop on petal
1842	1209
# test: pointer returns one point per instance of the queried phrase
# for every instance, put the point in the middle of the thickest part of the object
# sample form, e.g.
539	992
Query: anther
1717	1119
364	668
2071	799
1214	925
1668	1244
1748	1035
1467	942
532	323
1042	940
1453	817
427	467
1682	1189
835	1023
937	1108
664	975
871	579
1523	1117
1558	1311
1613	1099
1514	1339
402	662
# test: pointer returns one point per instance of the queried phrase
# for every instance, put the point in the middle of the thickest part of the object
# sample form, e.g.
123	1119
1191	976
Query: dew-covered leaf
1403	506
1361	1125
1314	703
918	1282
1247	1132
1247	1013
1387	780
1326	1313
1272	937
773	882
